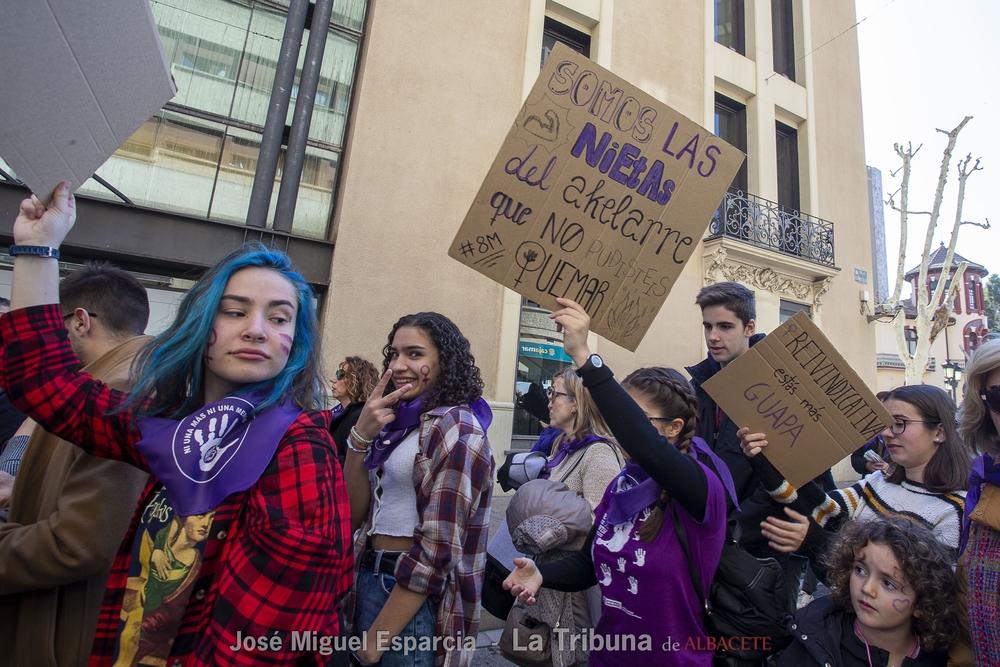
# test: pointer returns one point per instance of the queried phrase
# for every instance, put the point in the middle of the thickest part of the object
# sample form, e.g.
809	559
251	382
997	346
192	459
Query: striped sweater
873	496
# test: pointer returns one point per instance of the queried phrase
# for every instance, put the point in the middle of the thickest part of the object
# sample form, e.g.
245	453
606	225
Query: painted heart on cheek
900	604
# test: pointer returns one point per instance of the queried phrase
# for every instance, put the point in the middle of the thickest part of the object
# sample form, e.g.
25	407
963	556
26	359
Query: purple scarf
626	503
985	470
216	451
565	449
337	411
407	419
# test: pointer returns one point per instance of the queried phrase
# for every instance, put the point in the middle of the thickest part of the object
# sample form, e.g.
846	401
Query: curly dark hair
927	565
671	392
459	380
361	378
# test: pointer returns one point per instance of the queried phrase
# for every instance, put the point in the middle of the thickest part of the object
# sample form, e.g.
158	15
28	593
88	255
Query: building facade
414	100
953	346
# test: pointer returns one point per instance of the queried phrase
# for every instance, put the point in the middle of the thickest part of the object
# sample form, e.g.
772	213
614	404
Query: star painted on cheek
285	348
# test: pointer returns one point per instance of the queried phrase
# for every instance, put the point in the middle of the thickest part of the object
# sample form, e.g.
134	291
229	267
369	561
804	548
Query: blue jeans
373	591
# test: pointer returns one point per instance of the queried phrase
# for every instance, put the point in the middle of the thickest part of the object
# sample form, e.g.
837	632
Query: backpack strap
692	572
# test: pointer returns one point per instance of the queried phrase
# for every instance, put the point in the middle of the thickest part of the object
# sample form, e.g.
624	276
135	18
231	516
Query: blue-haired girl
242	534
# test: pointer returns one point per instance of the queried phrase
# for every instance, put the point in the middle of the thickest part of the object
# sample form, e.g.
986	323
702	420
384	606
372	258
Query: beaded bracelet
357	436
356	450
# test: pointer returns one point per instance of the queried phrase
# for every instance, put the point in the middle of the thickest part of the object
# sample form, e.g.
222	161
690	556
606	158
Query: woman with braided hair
633	552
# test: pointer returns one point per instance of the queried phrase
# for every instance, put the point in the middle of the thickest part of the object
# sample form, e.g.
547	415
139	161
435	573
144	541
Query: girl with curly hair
351	385
420	477
633	551
893	601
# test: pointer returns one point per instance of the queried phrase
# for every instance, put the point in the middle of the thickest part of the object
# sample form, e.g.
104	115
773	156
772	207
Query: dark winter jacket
721	434
341	425
823	636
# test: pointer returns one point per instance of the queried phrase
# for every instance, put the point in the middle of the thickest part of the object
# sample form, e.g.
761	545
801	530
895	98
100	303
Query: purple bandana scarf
567	448
216	451
337	411
407	419
644	491
631	492
985	470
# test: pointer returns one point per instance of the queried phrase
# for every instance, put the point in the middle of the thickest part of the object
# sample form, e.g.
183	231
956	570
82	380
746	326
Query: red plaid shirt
280	555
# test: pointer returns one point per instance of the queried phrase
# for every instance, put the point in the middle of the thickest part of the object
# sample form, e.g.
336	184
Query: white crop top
395	509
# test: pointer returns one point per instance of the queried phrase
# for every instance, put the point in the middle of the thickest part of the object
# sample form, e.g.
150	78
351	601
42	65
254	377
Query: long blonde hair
975	424
588	419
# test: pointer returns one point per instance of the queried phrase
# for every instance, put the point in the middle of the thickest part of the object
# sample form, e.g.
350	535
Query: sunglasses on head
340	374
991	395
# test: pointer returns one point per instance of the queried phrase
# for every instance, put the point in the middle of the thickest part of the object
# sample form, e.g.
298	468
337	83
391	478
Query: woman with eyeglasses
979	425
651	613
351	384
928	484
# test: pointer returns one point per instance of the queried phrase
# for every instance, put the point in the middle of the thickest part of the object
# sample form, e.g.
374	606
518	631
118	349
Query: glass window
731	126
910	335
560	32
204	49
787	144
729	30
783	37
787	310
198	155
972	297
170	154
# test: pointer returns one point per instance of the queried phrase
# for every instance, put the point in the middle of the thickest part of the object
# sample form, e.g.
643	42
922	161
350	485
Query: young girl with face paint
893	601
420	476
633	552
223	415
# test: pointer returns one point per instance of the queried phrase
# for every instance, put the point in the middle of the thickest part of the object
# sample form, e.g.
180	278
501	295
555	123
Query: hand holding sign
37	225
574	323
751	443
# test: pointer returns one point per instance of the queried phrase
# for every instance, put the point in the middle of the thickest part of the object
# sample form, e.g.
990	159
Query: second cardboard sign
794	387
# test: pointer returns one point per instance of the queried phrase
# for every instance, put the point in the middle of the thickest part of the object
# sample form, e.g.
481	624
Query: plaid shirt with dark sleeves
453	473
279	557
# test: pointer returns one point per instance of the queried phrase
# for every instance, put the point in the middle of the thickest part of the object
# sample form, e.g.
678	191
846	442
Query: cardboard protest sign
599	194
795	387
78	79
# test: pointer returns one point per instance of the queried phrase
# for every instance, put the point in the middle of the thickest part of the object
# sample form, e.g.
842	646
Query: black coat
341	425
823	636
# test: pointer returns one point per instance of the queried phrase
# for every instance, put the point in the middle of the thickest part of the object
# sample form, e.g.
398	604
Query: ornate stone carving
767	279
712	263
821	287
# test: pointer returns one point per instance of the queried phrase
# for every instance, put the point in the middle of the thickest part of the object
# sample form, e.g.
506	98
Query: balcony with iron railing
766	224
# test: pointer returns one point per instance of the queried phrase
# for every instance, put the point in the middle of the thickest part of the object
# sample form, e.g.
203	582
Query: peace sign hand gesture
378	410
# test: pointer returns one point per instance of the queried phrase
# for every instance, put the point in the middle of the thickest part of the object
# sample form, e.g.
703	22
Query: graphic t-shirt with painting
166	558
